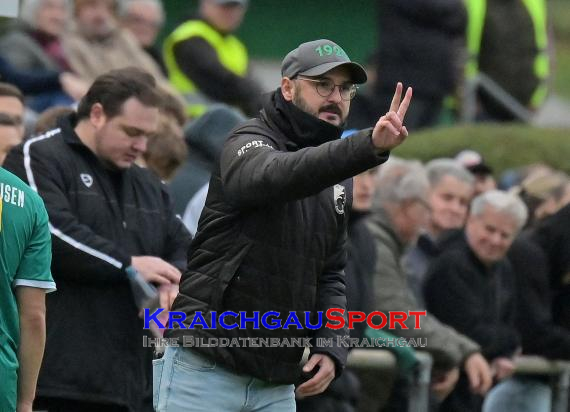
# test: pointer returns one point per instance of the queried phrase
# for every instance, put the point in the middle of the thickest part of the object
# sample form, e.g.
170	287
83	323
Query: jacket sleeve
177	238
254	172
29	82
392	293
449	295
22	52
77	54
200	62
78	253
331	294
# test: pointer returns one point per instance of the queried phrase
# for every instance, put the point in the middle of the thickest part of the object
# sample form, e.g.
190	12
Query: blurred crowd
487	255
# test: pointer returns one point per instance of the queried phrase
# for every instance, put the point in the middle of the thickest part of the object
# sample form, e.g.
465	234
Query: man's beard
333	108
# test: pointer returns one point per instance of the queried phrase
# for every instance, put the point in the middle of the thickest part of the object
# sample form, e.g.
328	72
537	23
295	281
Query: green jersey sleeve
34	269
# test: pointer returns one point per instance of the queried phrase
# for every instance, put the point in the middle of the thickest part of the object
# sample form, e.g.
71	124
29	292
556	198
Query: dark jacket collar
462	243
67	125
301	129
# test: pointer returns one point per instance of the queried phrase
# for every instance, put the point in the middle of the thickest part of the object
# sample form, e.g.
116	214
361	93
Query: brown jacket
91	58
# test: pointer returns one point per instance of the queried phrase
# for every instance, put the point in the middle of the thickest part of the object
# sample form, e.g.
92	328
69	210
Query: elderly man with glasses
272	238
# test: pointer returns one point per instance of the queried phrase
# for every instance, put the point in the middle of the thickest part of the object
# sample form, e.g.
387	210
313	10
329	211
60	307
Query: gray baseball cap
318	57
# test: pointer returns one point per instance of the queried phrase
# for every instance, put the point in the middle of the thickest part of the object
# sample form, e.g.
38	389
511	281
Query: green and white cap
317	57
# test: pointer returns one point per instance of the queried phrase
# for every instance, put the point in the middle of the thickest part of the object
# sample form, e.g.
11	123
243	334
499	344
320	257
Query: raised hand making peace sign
390	131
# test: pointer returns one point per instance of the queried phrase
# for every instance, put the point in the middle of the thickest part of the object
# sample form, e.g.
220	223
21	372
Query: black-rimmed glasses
325	87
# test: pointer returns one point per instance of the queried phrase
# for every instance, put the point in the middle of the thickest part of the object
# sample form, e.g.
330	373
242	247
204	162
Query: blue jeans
186	381
519	394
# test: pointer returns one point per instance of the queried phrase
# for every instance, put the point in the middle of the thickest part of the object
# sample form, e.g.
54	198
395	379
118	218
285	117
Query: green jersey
25	259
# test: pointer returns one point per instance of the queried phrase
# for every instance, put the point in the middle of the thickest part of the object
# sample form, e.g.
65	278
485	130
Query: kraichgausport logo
334	318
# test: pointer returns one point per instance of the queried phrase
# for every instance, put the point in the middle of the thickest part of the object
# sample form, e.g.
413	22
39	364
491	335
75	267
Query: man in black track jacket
106	215
272	238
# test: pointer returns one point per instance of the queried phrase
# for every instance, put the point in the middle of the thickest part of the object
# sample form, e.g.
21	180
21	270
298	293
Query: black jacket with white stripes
272	237
98	220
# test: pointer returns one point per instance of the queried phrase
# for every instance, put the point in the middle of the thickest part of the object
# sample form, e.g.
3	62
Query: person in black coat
471	287
419	45
540	334
272	235
111	221
553	236
49	86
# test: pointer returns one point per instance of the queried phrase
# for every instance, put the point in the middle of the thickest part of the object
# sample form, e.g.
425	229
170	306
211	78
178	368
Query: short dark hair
9	90
113	88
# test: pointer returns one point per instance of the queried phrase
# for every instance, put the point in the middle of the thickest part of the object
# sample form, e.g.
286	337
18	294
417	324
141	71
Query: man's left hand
318	383
166	295
390	131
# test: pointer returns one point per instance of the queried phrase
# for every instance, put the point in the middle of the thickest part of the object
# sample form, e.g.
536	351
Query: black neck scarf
301	128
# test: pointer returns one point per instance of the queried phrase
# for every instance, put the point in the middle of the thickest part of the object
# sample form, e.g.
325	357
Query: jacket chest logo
339	198
86	179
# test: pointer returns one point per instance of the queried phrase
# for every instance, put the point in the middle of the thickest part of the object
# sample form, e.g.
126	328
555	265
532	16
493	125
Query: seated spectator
9	135
49	119
400	211
51	87
97	44
32	58
540	336
144	19
483	173
451	190
172	106
208	64
166	150
35	43
544	193
470	287
12	106
553	236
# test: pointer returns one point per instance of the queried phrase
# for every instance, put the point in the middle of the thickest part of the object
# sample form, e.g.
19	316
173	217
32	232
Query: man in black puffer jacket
272	238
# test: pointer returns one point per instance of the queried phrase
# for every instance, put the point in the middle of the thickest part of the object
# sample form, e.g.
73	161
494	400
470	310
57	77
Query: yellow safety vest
231	53
477	9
